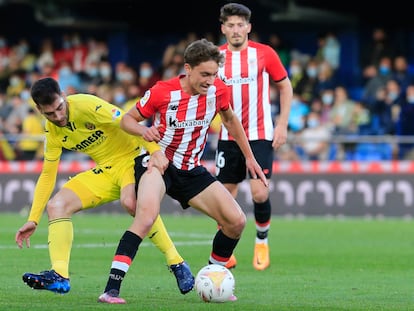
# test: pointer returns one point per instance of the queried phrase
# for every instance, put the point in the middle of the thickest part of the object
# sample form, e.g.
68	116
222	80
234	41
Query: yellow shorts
101	185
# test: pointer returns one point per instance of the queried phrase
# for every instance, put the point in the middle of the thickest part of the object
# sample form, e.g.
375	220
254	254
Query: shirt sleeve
274	65
43	190
151	147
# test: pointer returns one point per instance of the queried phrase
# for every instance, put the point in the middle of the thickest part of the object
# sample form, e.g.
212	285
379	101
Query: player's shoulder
169	84
161	90
82	100
86	102
259	45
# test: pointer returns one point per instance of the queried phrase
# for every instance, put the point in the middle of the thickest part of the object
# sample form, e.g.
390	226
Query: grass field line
112	245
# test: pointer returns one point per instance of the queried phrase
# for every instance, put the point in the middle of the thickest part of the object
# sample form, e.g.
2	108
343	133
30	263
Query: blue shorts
231	164
181	185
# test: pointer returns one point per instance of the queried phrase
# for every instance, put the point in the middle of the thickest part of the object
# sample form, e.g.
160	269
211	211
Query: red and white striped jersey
186	118
247	74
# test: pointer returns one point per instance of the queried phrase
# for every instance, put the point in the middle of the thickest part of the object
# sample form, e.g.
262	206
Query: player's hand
158	160
24	233
152	133
256	171
279	136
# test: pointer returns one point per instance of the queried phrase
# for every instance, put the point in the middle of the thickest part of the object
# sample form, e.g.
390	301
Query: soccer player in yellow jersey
88	124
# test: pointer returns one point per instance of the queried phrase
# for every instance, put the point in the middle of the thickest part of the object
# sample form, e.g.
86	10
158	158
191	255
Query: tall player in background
247	70
88	124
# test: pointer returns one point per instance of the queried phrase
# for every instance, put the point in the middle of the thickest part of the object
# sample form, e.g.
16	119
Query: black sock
262	214
124	255
223	246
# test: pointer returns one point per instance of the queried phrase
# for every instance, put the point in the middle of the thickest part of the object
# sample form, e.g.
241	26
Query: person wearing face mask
147	77
315	138
383	73
387	107
67	78
308	86
16	85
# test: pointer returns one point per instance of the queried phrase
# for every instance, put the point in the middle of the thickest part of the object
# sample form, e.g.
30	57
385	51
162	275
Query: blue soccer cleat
48	280
185	279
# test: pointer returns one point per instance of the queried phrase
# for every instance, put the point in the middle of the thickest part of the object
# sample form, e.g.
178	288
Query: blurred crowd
323	107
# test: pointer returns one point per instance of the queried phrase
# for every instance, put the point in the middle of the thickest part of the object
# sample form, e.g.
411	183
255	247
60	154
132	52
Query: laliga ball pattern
214	283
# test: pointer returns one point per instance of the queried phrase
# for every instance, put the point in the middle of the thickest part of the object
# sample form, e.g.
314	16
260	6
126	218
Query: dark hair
45	91
201	51
234	9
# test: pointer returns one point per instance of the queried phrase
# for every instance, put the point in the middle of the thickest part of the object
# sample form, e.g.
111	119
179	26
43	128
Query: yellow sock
60	244
161	239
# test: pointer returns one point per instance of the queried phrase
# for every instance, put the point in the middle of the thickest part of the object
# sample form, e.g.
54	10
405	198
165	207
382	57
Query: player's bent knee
129	205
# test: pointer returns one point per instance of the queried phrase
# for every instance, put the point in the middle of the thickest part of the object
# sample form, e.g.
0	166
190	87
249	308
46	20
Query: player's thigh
218	203
94	188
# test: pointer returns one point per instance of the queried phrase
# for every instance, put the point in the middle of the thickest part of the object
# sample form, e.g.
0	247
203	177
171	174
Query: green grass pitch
316	264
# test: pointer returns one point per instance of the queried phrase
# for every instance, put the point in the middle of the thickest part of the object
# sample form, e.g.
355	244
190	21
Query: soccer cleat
232	298
111	297
49	280
185	279
231	264
261	256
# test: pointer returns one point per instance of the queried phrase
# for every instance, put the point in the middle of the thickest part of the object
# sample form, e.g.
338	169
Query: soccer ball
214	283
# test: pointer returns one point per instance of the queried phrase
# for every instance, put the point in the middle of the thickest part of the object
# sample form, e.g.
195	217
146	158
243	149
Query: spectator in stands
342	111
379	47
406	123
14	121
387	107
106	73
315	138
124	74
326	78
16	84
342	118
329	50
147	77
401	72
308	86
378	80
119	95
30	147
361	118
47	54
68	78
298	112
323	106
133	94
297	75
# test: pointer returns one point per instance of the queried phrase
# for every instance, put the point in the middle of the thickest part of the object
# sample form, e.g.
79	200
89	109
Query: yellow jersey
94	129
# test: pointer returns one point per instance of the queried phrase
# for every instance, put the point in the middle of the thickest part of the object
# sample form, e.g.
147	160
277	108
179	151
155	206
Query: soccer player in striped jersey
85	123
247	71
183	108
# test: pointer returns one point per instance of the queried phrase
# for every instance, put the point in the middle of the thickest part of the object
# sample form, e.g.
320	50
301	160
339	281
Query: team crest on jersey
145	98
115	113
90	126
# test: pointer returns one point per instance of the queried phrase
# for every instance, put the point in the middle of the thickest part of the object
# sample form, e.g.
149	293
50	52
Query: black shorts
231	164
181	185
